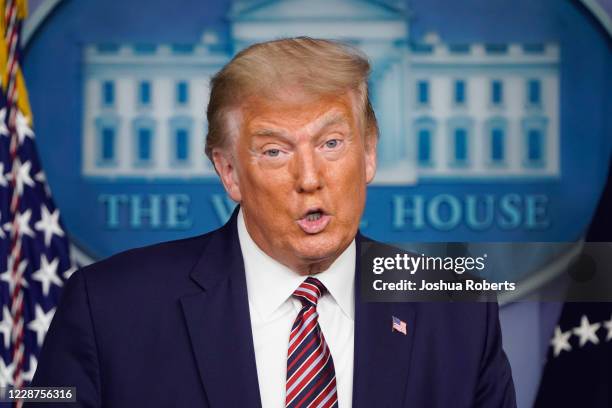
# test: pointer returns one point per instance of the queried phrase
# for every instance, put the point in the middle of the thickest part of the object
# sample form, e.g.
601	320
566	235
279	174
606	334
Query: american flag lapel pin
398	325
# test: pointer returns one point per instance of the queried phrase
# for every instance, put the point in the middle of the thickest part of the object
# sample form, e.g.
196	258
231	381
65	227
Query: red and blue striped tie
311	378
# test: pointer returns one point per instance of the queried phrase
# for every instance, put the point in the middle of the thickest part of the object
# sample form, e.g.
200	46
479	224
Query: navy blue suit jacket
168	326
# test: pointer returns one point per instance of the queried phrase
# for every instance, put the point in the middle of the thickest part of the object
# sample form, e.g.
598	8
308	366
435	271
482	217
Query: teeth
314	216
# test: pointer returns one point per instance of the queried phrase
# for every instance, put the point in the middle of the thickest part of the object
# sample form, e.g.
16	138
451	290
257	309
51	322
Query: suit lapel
219	323
382	356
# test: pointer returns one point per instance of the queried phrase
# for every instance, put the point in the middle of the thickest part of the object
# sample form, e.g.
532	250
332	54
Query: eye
333	143
272	152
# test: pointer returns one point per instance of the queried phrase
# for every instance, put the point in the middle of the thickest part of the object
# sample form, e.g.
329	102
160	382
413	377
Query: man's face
299	170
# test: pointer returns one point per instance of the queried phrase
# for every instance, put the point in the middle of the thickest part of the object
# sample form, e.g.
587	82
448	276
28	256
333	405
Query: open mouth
314	216
314	221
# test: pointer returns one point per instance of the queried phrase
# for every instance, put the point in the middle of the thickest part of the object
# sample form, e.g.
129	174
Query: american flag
34	251
398	325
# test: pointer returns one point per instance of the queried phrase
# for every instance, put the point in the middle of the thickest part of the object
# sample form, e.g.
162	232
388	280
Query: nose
308	171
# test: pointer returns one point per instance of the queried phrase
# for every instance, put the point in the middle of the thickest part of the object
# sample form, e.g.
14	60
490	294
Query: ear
225	168
370	157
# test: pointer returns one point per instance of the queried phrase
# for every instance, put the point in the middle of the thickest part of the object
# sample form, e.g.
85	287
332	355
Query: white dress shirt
273	311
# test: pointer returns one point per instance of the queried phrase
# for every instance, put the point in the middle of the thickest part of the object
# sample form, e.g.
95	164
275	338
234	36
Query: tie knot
310	291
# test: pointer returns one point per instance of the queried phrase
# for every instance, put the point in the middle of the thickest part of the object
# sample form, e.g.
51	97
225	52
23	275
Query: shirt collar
270	283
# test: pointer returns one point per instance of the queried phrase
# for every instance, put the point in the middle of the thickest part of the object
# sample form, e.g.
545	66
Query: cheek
352	173
349	191
265	191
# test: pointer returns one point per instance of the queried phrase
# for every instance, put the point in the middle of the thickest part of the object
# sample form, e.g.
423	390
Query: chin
315	248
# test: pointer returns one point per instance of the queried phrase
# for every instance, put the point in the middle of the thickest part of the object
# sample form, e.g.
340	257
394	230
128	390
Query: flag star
5	327
47	274
23	127
2	234
69	272
41	323
608	325
586	331
42	179
7	275
6	373
3	129
3	176
22	124
560	341
23	176
29	375
49	224
23	224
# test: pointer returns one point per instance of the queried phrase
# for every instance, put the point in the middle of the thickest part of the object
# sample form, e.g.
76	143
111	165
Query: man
266	311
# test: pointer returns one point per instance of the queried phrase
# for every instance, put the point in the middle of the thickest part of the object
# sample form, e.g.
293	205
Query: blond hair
318	67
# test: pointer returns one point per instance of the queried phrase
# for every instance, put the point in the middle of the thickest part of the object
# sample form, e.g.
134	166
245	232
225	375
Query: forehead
295	110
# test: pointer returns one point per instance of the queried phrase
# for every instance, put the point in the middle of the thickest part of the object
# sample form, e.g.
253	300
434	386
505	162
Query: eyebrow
327	120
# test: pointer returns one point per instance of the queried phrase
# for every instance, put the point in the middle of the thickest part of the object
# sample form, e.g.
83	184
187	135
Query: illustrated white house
445	110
